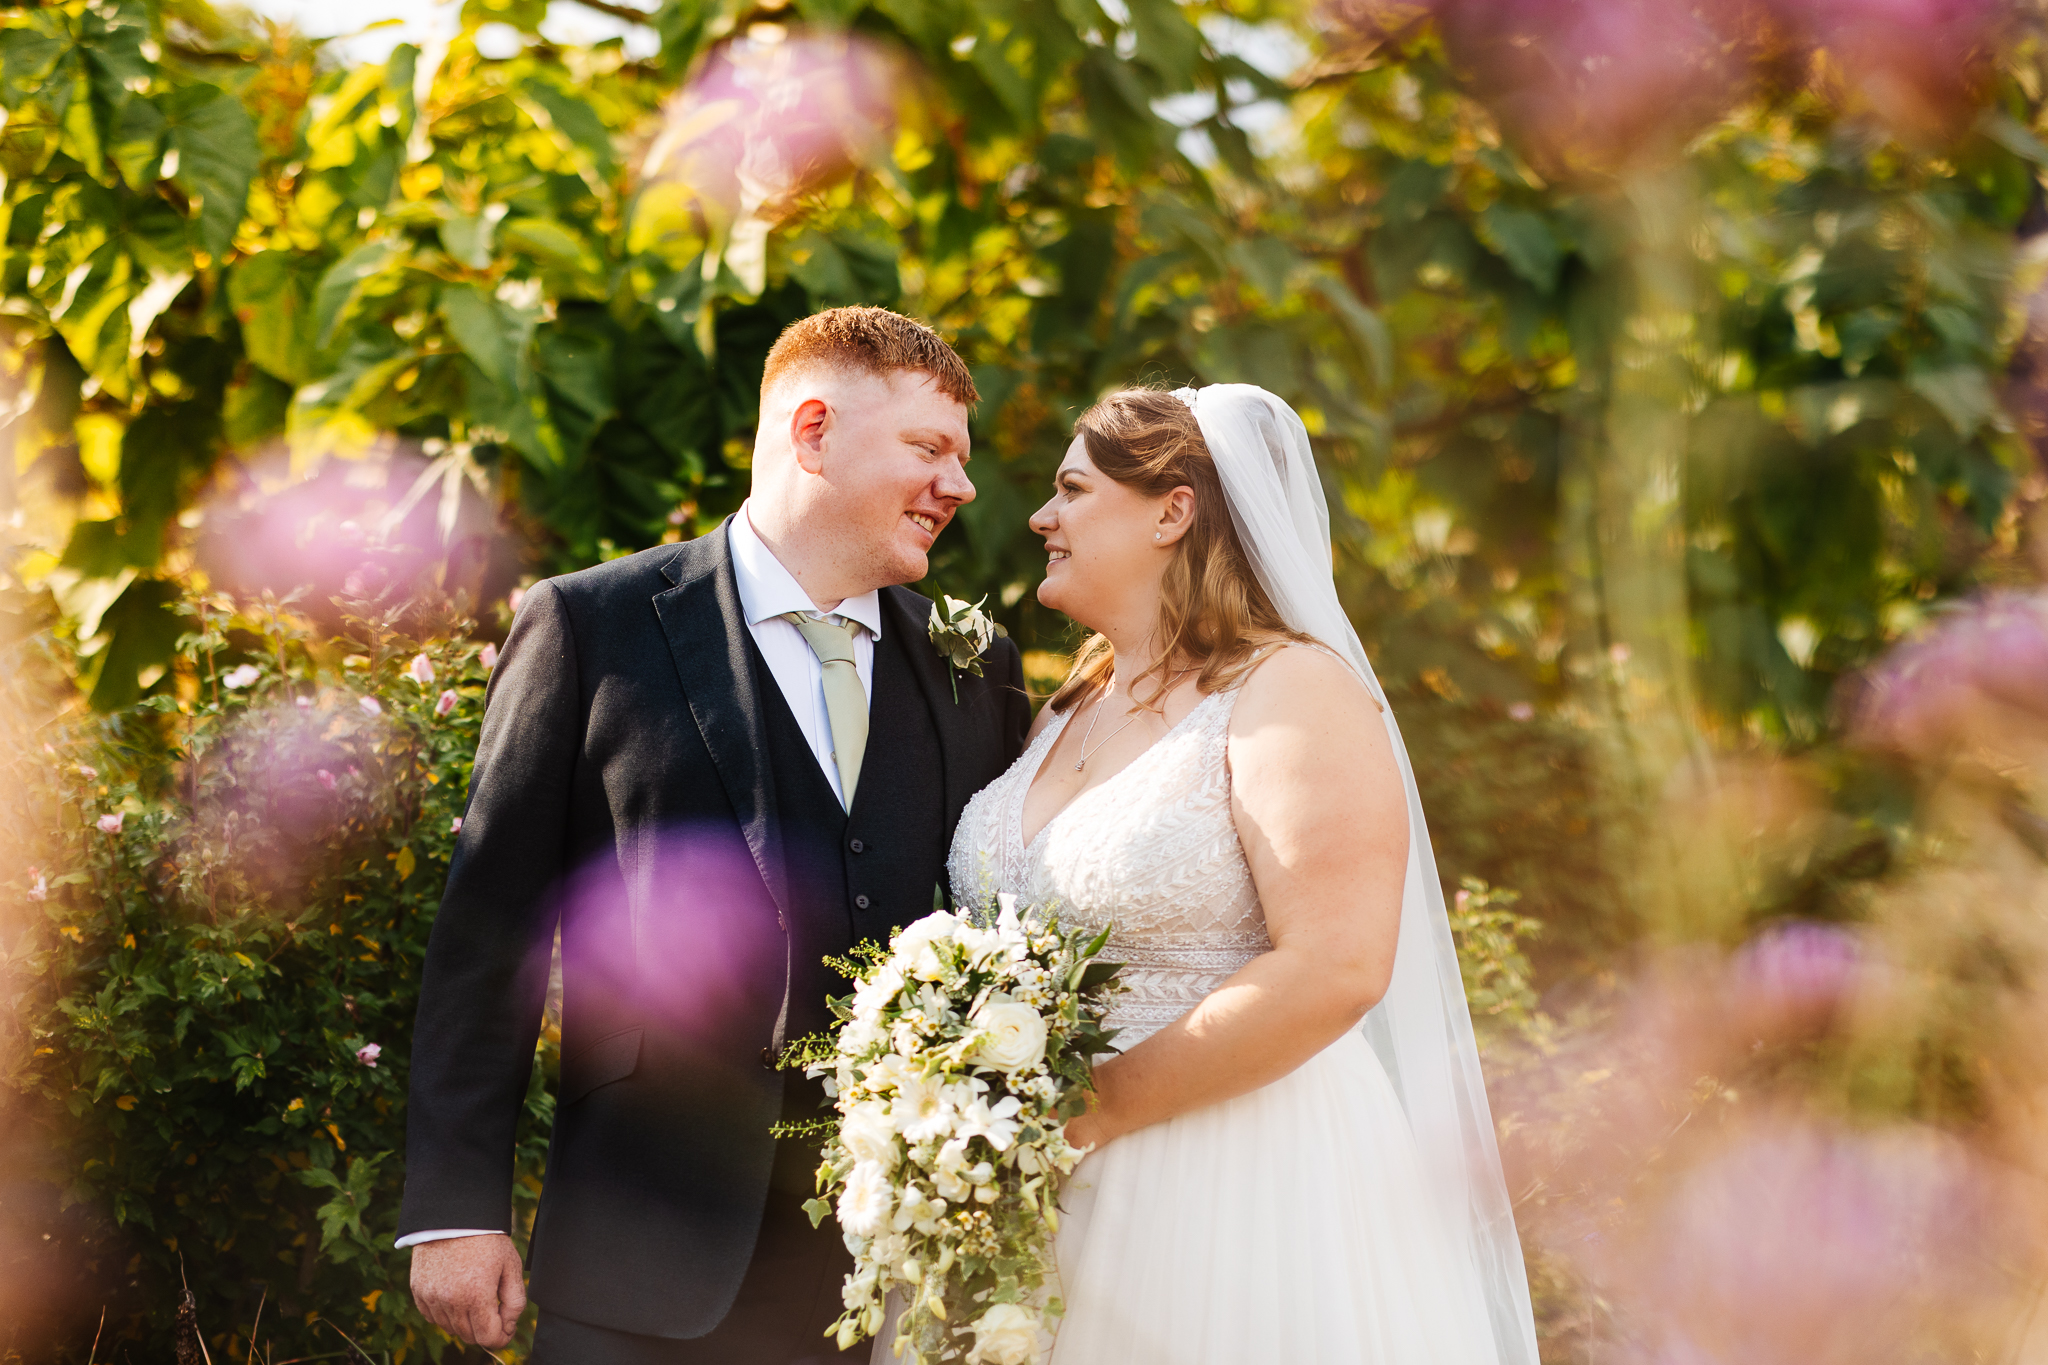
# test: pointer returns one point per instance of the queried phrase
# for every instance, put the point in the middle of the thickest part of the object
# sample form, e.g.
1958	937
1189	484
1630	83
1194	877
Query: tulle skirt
1287	1226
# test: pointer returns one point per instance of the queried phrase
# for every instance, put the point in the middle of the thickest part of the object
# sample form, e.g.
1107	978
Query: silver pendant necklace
1096	715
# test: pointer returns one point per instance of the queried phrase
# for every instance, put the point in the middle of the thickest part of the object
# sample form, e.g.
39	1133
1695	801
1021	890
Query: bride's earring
1155	535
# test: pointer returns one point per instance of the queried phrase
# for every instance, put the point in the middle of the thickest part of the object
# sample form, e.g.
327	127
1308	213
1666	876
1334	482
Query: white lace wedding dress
1286	1227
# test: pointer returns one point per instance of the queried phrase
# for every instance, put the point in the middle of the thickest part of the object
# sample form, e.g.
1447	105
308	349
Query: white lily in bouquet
958	1060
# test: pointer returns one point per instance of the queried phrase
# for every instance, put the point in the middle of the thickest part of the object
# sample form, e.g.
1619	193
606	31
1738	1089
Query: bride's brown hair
1213	615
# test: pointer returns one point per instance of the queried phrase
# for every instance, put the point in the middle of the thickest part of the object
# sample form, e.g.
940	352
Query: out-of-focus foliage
218	974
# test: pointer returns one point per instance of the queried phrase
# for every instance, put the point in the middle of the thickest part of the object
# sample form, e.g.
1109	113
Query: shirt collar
767	589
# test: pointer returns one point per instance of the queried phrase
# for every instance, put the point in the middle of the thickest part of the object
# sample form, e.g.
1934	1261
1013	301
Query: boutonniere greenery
962	632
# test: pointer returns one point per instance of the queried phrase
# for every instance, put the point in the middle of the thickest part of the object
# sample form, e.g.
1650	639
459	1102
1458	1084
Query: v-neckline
1024	797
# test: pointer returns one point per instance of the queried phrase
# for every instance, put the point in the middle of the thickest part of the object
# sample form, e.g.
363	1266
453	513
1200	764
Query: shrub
216	967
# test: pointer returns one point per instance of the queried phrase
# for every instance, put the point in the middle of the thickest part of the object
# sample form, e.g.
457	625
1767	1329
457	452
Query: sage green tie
846	703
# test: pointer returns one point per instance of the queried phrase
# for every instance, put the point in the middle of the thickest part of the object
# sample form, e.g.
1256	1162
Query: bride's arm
1322	816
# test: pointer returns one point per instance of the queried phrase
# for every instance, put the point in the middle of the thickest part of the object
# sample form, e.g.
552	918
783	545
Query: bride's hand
1088	1131
1096	1128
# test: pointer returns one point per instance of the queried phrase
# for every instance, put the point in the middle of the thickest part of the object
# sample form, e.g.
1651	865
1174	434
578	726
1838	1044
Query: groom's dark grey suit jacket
630	789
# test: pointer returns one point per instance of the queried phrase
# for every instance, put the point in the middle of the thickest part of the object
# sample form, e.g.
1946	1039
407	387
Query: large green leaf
473	320
1167	42
272	302
142	633
1526	242
217	158
575	120
575	364
338	287
28	62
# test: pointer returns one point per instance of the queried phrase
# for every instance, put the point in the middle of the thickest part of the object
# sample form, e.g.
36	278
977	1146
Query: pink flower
1522	710
240	677
456	826
518	595
88	773
368	1053
326	779
488	657
370	706
421	670
111	824
39	886
445	703
305	703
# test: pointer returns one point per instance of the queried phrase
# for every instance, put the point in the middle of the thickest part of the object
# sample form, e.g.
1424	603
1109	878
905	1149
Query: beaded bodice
1153	851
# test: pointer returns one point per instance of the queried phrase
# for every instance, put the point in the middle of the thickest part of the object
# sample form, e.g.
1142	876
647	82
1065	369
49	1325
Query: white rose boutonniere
962	632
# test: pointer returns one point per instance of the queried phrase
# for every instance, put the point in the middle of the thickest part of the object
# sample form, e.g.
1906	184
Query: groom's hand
471	1286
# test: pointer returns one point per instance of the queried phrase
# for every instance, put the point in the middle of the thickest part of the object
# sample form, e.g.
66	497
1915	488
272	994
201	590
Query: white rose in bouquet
914	948
1006	1334
1012	1035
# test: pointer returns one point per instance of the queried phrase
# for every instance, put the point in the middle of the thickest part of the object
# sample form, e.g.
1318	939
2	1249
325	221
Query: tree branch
626	12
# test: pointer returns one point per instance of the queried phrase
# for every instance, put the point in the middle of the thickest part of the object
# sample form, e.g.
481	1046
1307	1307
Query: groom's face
892	459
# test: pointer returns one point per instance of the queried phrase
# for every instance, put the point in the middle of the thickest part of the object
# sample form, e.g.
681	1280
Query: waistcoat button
857	846
860	902
768	1058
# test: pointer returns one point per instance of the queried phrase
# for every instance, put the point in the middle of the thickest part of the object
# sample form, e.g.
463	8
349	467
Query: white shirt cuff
413	1239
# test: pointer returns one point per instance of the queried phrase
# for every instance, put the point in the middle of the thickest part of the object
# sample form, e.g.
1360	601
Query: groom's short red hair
873	340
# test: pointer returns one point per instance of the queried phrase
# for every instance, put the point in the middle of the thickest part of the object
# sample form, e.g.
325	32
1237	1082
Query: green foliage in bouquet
958	1060
216	970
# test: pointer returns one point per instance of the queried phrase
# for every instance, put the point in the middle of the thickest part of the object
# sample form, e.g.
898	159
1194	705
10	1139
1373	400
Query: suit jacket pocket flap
611	1058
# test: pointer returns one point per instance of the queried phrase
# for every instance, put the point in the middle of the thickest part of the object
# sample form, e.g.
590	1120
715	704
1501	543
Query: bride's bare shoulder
1308	692
1299	674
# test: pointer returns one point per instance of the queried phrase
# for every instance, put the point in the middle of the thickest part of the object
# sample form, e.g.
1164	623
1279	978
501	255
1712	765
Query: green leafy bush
218	965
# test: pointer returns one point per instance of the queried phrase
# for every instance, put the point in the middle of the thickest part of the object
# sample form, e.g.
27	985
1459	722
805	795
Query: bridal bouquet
958	1060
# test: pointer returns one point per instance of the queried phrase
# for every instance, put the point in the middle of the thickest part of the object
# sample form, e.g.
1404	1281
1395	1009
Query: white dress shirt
767	591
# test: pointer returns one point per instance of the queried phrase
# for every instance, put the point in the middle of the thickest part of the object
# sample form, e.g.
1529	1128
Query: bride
1293	1161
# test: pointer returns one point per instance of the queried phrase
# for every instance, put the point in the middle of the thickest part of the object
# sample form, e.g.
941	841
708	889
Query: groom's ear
808	425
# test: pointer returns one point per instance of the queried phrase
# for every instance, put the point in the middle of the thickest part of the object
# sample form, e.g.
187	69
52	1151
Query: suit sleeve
1008	675
486	973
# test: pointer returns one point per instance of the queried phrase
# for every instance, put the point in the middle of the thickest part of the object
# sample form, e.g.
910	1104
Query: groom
709	766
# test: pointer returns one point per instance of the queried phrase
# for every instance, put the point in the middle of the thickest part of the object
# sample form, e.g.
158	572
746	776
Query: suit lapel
707	636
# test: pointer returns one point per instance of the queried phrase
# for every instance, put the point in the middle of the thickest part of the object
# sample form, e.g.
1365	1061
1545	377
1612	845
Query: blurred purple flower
111	824
326	778
1916	64
1522	710
38	885
445	702
455	825
1794	976
764	122
1800	1245
488	657
1592	85
368	1053
241	676
88	773
370	706
304	703
421	670
1920	696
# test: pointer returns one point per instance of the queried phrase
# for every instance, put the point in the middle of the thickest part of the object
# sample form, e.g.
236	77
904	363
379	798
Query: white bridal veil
1422	1029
